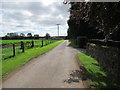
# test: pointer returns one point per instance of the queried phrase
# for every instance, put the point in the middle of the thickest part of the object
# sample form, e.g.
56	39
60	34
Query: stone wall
108	57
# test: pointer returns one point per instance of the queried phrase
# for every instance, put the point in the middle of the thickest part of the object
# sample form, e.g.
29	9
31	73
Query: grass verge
12	64
99	78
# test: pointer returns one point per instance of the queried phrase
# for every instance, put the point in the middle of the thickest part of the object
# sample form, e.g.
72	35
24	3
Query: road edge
86	83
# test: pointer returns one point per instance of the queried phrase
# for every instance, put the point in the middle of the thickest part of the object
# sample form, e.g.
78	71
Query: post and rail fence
11	50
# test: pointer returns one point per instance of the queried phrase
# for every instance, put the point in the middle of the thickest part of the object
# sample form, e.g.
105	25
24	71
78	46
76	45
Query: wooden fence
11	50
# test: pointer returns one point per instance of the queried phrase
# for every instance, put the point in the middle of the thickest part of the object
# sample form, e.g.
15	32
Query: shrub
81	41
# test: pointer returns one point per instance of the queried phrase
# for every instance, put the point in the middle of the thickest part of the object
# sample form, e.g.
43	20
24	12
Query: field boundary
12	49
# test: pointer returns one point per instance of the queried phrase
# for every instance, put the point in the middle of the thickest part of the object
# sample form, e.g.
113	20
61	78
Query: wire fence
11	50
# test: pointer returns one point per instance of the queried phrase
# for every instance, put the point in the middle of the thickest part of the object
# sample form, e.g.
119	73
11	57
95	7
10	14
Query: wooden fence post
32	44
13	49
42	43
22	46
46	42
23	49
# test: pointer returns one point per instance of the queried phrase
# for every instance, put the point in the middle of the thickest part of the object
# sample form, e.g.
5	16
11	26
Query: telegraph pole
58	28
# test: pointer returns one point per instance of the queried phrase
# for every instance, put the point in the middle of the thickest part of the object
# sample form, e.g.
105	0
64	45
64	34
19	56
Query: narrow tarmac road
47	71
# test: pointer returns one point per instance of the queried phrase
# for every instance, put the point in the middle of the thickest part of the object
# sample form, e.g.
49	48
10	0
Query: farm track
50	70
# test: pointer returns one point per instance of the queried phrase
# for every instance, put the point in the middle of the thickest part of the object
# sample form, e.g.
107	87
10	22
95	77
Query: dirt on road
51	70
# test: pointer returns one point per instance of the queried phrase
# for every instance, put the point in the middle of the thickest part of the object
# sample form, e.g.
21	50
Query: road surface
47	71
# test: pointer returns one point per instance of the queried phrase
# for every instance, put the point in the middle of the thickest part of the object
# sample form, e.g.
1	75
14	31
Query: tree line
95	20
23	36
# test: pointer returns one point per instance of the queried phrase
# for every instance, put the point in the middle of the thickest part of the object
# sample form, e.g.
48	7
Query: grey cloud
36	8
15	15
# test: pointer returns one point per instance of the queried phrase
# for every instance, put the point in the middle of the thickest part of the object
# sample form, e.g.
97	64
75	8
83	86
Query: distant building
12	34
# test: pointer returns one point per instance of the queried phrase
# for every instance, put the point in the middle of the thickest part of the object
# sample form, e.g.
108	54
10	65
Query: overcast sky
34	17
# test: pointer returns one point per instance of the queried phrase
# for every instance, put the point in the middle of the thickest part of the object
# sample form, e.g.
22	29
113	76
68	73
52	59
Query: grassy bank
98	77
11	64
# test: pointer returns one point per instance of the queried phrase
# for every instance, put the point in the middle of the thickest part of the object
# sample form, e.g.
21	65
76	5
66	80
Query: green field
12	64
15	41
